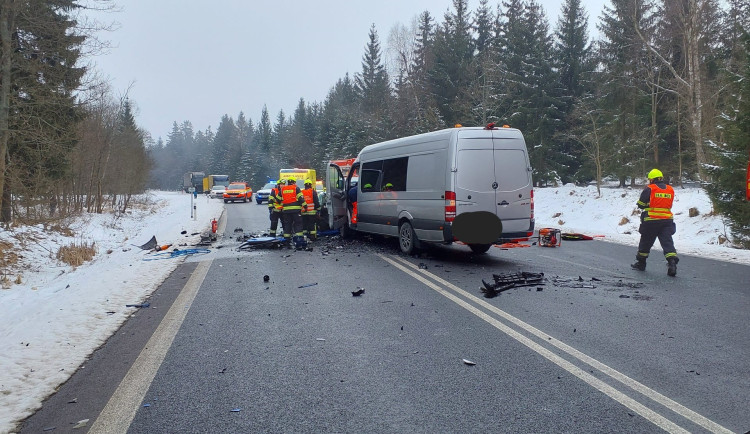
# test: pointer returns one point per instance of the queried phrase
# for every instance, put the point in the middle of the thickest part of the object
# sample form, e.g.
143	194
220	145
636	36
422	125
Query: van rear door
475	172
513	175
492	175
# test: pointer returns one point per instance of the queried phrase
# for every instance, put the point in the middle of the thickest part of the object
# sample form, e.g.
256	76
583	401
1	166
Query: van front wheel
480	248
406	238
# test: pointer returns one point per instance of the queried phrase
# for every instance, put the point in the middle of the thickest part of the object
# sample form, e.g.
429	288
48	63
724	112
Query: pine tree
372	83
451	73
733	152
39	48
224	149
572	57
479	95
622	57
528	84
572	50
130	164
422	95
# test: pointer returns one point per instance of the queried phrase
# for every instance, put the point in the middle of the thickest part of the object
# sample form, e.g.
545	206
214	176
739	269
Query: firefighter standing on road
292	202
275	207
657	222
310	213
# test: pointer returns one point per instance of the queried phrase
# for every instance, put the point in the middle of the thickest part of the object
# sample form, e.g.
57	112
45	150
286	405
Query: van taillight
532	203
450	206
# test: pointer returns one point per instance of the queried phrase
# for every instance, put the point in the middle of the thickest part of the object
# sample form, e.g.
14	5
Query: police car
262	194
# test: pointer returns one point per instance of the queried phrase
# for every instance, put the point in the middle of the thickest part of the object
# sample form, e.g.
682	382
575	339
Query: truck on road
194	180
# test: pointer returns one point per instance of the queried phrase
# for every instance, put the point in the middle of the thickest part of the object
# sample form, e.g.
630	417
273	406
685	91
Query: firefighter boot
299	242
672	266
639	265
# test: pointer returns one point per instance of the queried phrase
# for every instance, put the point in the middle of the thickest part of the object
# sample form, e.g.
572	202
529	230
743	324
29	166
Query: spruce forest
665	83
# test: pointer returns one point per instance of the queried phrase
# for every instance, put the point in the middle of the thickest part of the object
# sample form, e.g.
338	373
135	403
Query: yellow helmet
654	174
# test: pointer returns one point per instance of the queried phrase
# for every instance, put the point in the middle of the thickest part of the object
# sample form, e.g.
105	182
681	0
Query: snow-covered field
57	315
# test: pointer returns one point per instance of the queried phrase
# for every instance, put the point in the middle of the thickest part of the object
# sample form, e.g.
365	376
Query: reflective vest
274	200
271	196
291	197
660	203
309	201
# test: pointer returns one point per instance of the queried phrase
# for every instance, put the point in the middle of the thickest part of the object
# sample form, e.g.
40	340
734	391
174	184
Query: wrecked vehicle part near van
504	282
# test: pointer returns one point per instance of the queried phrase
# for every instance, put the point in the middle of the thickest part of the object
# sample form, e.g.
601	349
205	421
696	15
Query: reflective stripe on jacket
660	202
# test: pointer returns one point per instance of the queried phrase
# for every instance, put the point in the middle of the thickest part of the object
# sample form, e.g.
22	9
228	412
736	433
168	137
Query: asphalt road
596	347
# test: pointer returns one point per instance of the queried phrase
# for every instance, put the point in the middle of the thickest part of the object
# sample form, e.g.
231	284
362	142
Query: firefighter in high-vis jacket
310	212
275	207
292	202
656	222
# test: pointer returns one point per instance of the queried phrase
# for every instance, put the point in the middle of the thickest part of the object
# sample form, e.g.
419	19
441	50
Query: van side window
370	177
369	180
394	174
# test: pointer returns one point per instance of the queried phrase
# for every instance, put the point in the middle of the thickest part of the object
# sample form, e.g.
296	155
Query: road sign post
192	192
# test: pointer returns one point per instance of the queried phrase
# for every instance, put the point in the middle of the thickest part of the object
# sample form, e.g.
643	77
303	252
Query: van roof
466	132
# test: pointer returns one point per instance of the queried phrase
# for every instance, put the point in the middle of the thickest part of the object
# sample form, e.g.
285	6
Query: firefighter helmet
655	174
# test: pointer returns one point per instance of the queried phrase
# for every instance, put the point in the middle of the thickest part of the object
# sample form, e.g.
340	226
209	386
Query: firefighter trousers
651	230
292	222
309	225
275	216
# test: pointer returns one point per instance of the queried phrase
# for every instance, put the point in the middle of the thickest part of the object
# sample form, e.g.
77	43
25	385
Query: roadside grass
76	253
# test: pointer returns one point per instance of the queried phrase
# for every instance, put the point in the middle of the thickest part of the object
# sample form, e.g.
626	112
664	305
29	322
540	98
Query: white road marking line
120	410
613	373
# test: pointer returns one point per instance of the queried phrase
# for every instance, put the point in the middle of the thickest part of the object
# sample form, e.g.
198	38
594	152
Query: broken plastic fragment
469	362
81	423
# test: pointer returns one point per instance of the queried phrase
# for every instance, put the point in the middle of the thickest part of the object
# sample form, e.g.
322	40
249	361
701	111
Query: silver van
467	184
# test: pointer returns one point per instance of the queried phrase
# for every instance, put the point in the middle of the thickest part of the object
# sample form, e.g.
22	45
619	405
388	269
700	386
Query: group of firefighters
298	211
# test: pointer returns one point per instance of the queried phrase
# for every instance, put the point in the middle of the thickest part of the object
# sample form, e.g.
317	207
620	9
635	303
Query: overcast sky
197	61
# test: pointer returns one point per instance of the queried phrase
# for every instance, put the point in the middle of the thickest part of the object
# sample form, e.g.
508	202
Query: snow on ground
57	315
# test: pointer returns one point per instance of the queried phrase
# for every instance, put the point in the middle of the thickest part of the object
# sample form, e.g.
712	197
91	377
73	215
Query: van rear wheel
480	248
407	239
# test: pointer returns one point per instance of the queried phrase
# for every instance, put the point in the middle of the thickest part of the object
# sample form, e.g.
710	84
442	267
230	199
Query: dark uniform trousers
651	230
275	216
